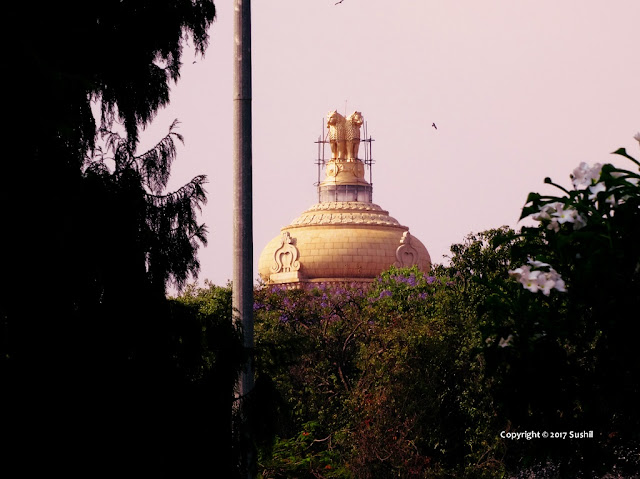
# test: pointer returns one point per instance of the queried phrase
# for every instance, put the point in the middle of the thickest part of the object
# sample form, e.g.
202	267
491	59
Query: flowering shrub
579	344
605	199
538	280
590	227
397	291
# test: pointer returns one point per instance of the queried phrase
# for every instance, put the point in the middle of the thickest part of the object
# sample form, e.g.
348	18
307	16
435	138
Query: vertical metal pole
242	206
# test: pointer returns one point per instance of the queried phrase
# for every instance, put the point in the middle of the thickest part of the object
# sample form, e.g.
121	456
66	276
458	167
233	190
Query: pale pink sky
519	90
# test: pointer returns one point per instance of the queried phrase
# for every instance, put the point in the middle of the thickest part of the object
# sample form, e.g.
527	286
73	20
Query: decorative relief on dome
345	213
345	205
346	218
406	254
345	167
286	256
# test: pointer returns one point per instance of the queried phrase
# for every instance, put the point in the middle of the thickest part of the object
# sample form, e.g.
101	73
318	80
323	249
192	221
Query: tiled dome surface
341	241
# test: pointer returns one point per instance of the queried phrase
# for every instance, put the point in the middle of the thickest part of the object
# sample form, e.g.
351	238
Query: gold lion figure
344	135
353	124
337	137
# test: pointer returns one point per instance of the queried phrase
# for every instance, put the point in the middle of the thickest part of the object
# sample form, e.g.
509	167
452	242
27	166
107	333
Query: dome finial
344	135
344	180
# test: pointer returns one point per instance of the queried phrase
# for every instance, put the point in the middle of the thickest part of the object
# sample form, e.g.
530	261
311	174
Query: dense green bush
377	381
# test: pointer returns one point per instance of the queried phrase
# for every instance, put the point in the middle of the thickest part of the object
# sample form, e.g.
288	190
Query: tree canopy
92	236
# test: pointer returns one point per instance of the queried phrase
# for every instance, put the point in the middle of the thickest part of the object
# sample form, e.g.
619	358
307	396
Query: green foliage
304	455
417	375
206	340
389	376
306	343
206	356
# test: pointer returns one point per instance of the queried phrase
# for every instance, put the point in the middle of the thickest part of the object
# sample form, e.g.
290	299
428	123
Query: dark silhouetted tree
88	361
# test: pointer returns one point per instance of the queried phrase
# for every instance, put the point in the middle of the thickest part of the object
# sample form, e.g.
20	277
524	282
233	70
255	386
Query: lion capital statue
353	124
344	135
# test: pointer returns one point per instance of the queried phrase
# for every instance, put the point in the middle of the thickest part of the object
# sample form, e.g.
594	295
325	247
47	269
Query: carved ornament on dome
286	256
345	205
406	254
346	218
342	169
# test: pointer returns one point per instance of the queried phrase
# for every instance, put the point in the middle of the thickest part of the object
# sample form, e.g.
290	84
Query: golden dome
340	241
344	237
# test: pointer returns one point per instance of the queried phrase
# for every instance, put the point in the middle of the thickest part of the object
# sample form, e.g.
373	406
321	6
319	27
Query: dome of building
345	236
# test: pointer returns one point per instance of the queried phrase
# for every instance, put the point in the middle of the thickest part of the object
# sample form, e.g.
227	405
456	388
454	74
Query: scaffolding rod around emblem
321	160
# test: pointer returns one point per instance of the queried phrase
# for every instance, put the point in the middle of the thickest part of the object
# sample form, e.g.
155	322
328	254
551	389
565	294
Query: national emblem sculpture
344	135
353	124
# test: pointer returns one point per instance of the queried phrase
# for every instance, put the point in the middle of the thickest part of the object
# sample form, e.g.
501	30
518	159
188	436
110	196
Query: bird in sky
434	125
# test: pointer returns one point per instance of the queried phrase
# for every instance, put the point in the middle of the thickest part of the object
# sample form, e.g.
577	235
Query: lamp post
242	299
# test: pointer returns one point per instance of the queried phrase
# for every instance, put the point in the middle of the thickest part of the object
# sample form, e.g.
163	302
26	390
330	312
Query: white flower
536	264
556	213
563	214
566	215
553	225
599	188
559	282
546	284
536	280
595	189
637	137
531	281
571	215
542	215
528	278
545	215
505	342
595	172
551	280
546	211
579	221
518	271
521	273
584	175
579	174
